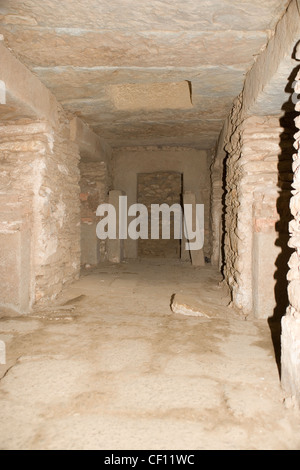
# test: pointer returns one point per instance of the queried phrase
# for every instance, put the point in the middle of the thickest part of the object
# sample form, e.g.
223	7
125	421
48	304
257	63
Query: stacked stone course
39	221
94	188
290	357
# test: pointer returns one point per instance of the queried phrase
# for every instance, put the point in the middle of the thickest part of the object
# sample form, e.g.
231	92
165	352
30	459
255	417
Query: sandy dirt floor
110	366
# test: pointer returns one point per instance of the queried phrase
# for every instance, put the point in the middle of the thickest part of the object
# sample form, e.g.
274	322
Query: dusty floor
114	368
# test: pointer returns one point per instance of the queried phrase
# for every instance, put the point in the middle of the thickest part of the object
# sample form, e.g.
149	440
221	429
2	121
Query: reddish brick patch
84	196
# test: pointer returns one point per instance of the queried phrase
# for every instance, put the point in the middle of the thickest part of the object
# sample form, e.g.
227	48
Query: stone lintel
22	94
91	147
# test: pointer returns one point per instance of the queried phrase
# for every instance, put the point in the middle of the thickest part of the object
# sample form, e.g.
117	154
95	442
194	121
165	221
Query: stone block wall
258	169
193	164
94	188
15	250
39	181
217	202
290	357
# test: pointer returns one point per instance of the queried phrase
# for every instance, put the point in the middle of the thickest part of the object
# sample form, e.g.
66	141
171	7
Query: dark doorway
159	188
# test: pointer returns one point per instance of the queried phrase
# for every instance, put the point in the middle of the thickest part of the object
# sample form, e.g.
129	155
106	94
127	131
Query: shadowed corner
285	178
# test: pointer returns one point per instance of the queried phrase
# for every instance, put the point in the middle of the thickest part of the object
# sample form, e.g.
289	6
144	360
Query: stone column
257	198
115	247
197	256
16	271
217	203
39	215
184	254
290	357
94	188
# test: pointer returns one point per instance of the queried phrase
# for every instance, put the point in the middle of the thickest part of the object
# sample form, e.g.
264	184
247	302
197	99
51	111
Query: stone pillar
94	191
115	248
264	256
217	202
185	255
257	199
39	215
197	256
290	357
16	271
40	211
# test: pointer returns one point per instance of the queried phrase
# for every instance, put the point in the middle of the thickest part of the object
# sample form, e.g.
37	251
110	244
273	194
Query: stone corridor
134	338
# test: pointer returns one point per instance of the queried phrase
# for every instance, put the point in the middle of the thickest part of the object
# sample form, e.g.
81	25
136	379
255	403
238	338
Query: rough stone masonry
39	222
291	322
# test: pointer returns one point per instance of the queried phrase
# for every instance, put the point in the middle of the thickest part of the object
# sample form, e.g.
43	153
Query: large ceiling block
161	71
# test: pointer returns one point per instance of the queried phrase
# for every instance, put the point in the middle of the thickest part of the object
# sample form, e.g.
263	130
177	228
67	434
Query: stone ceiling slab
208	109
136	15
276	97
69	83
150	96
79	49
132	133
141	49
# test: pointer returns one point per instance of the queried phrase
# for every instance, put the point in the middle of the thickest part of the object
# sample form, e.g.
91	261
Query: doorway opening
160	188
